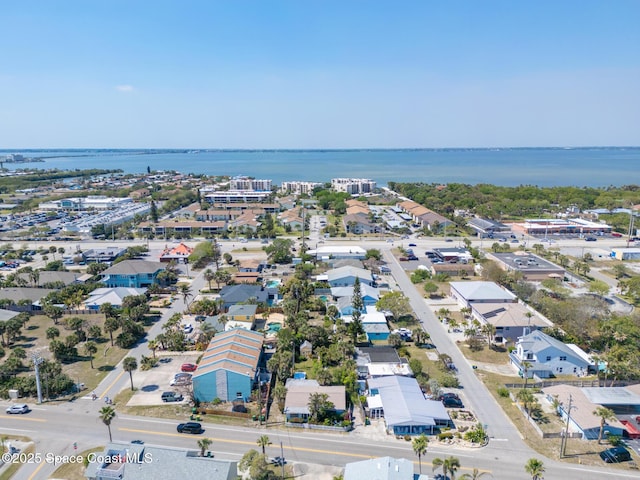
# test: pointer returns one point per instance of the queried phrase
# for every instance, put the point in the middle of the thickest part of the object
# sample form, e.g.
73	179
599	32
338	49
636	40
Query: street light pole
563	442
37	360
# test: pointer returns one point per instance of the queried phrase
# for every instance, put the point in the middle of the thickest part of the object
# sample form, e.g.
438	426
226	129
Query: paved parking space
152	383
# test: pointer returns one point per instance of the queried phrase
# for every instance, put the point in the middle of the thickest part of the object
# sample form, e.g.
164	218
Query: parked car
188	367
180	379
448	395
278	461
591	239
171	397
452	402
18	408
615	455
190	427
412	245
188	328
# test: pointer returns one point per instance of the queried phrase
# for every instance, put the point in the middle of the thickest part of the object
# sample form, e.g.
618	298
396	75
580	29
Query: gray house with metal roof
382	468
467	293
404	407
126	461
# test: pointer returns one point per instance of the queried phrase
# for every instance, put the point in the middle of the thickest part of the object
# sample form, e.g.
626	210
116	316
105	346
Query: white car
180	379
188	328
18	408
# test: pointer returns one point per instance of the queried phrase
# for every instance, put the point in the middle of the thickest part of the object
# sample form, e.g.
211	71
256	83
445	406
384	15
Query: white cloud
124	88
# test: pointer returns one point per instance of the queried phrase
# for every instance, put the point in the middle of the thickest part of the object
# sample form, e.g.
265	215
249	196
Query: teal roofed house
132	273
229	367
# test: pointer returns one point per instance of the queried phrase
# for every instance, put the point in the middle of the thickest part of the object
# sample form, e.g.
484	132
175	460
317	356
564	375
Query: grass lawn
497	355
34	337
75	471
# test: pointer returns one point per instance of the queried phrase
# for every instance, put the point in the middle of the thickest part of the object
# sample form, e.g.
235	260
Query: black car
451	402
615	455
190	427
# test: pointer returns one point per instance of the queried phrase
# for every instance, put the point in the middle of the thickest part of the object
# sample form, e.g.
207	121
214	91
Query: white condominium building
353	186
298	188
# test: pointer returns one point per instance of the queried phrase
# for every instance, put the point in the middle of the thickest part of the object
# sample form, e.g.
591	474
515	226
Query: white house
467	293
548	356
346	276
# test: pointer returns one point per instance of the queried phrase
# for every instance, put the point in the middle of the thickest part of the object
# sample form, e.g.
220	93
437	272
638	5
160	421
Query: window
563	359
548	358
560	370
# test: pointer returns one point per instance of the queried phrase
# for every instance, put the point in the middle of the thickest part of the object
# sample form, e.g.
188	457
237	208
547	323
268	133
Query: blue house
132	273
229	366
346	276
370	295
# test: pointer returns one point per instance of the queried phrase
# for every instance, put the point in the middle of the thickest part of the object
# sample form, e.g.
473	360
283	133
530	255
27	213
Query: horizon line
221	149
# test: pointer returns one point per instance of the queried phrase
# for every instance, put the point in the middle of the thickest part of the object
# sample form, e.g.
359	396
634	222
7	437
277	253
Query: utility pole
565	437
282	459
37	360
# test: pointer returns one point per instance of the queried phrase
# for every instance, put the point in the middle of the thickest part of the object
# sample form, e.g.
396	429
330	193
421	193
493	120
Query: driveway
151	383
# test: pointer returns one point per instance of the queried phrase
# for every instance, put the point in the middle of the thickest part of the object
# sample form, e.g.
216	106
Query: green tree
90	349
606	415
54	312
419	445
107	414
130	364
449	466
279	251
52	332
185	291
526	398
474	475
430	288
209	275
204	444
599	287
111	324
222	276
395	303
535	468
263	442
153	213
319	406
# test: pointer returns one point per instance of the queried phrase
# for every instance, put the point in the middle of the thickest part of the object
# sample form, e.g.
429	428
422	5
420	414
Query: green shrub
445	436
407	438
503	392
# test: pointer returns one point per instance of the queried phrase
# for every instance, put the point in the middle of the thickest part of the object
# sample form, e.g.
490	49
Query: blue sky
318	74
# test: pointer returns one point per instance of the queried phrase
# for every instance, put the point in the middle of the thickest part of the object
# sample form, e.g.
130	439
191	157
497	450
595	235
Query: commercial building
91	202
132	273
382	468
625	253
467	293
532	267
246	183
561	226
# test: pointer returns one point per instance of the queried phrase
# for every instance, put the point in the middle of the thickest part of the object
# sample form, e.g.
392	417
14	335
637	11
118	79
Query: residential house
132	273
359	224
229	366
306	349
406	411
234	294
584	401
346	277
382	468
467	293
23	298
300	390
129	461
328	252
511	320
45	278
546	357
380	361
114	296
241	316
374	324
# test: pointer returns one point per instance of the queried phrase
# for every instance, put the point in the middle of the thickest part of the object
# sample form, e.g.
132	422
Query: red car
188	367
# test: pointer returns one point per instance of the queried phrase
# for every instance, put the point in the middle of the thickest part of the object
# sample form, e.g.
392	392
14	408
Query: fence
574	383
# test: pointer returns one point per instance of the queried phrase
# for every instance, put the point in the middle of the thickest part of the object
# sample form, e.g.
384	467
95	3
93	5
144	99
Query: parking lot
152	383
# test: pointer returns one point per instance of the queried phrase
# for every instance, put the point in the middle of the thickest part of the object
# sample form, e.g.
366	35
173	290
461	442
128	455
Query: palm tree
535	468
475	475
106	415
527	398
449	465
90	348
204	444
130	364
605	414
525	368
419	445
208	276
153	346
263	442
185	291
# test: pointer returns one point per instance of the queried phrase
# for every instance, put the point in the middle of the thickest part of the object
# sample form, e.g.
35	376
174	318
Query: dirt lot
151	383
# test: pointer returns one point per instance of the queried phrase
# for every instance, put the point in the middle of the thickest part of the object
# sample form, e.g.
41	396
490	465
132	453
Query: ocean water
596	167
